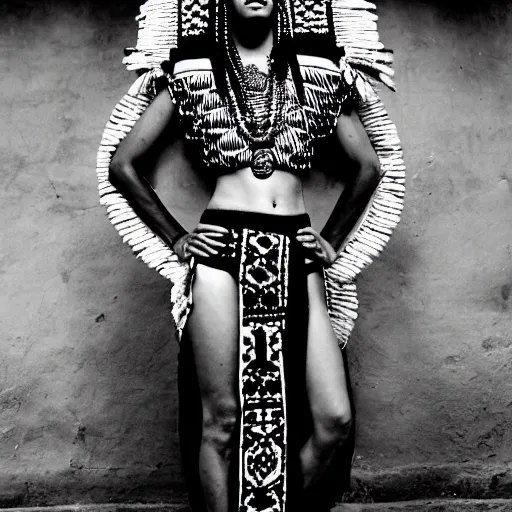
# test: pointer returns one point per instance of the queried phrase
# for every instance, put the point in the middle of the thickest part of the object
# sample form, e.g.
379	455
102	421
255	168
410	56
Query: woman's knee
219	422
333	427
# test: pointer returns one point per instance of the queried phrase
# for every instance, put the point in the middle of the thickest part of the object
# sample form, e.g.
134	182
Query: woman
258	345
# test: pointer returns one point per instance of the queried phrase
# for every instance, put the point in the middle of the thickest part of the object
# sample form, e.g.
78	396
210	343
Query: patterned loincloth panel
263	295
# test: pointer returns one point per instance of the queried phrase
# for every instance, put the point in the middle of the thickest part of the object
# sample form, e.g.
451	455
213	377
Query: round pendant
262	163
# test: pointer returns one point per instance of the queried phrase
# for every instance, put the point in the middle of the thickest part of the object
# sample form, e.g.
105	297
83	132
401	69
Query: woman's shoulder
204	64
322	65
190	66
328	93
320	75
318	62
186	76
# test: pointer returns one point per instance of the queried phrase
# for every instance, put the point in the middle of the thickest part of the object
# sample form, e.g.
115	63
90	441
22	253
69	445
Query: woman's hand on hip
316	245
206	240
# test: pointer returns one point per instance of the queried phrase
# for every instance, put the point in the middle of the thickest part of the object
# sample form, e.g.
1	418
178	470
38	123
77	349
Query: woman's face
248	9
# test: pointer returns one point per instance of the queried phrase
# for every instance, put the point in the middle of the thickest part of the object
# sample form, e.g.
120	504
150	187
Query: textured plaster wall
87	374
433	345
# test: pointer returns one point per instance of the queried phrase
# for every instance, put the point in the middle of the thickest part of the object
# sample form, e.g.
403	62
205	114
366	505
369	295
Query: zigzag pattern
310	17
194	17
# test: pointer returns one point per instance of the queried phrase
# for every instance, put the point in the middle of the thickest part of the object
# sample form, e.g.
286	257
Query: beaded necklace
257	103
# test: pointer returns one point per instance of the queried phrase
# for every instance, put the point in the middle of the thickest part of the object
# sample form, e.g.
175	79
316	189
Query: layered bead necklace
258	108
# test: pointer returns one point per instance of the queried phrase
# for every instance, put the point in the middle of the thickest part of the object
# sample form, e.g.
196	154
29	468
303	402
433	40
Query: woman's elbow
370	173
119	171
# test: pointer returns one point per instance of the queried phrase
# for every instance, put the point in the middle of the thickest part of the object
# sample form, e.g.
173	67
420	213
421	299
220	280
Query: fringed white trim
158	34
374	229
355	28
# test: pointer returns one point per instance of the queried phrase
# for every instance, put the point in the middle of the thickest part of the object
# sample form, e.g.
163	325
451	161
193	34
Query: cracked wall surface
87	374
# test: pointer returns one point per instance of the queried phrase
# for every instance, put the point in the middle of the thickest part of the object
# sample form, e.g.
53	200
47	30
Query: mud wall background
87	374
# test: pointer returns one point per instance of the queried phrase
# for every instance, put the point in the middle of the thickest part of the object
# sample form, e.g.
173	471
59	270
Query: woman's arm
362	178
126	173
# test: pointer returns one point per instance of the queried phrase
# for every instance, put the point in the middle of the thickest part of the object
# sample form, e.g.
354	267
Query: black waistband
237	219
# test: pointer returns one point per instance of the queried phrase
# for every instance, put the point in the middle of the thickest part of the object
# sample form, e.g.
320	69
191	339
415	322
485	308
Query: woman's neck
253	38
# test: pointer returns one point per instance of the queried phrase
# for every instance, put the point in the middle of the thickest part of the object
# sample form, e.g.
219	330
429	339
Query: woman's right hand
205	241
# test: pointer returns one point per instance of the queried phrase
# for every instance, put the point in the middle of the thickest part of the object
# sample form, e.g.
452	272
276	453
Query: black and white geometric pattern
310	17
263	290
194	17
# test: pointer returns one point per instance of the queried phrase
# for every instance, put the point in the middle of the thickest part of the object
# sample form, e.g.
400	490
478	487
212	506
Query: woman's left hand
316	245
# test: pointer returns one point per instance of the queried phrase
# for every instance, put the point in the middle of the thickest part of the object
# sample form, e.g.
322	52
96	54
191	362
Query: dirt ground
409	506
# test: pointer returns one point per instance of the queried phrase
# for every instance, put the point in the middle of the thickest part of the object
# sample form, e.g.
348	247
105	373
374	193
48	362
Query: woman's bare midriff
279	194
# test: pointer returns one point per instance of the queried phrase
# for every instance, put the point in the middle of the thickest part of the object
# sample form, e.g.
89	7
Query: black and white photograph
256	256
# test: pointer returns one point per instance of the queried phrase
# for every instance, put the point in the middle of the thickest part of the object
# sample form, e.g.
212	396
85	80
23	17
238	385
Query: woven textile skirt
269	266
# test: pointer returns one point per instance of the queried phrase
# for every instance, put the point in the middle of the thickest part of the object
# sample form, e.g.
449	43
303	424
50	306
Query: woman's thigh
325	373
213	330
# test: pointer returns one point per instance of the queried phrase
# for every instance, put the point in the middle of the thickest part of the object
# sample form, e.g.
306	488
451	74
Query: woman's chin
256	10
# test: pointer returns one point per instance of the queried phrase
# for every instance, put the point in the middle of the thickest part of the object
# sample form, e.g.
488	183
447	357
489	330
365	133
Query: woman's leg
213	331
326	387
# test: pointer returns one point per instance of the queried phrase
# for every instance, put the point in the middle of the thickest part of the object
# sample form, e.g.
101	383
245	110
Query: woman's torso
208	123
280	194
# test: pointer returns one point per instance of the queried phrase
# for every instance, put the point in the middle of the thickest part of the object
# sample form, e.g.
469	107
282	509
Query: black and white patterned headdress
343	28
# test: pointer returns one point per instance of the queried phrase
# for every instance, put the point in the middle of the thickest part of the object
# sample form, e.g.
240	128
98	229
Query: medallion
262	163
